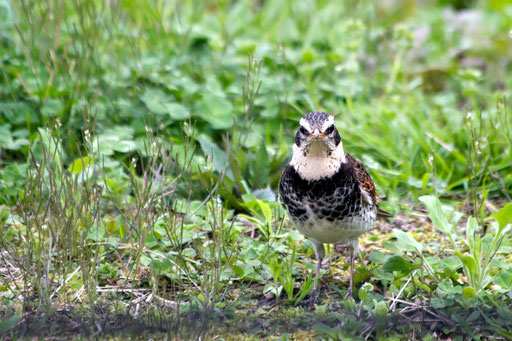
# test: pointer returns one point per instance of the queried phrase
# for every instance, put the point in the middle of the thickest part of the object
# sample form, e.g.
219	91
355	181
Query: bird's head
317	134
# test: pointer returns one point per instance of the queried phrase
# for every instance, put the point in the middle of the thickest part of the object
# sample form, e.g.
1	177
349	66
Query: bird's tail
383	214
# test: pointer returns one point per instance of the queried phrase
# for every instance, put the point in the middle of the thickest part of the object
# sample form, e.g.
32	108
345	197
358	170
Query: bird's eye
329	130
304	131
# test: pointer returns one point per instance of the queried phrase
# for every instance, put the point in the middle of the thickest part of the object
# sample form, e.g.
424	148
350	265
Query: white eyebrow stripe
328	123
305	124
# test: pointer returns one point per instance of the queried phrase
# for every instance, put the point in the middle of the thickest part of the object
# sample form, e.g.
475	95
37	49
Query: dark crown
316	118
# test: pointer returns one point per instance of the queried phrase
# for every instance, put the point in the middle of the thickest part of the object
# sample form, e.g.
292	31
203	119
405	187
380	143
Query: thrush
328	194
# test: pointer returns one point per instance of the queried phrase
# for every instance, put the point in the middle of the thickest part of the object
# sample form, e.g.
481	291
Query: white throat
317	164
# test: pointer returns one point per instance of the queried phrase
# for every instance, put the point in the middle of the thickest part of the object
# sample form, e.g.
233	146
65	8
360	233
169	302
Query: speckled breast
329	210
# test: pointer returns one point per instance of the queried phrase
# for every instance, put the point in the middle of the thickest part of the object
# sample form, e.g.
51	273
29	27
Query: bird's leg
353	246
351	284
320	254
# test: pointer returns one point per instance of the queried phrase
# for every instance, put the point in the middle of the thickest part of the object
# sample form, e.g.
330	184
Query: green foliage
141	143
283	275
478	262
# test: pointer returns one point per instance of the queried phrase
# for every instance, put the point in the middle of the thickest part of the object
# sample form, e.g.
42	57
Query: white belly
337	232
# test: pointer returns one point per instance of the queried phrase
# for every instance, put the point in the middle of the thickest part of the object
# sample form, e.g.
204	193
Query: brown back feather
362	177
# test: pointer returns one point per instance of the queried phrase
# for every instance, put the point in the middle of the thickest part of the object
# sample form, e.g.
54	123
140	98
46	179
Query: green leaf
52	145
264	194
363	294
377	257
215	110
219	158
435	213
14	140
468	292
243	270
7	324
80	164
397	263
471	228
51	107
5	13
267	213
504	279
324	329
156	101
160	266
261	167
177	111
381	308
161	103
504	215
470	263
407	242
118	138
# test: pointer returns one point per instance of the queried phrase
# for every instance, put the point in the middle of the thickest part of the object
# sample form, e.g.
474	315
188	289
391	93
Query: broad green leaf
14	140
407	242
377	257
118	138
397	263
451	263
161	103
215	110
265	194
160	266
243	270
51	107
5	13
504	279
177	111
468	292
156	101
381	308
435	213
80	164
471	264
504	215
362	293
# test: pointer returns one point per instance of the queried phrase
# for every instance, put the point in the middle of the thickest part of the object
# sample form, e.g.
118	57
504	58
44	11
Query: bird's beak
317	135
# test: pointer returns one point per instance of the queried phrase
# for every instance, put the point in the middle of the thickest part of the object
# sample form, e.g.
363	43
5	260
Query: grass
142	143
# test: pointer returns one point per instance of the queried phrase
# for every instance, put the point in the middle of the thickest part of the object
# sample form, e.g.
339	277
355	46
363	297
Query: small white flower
367	286
430	159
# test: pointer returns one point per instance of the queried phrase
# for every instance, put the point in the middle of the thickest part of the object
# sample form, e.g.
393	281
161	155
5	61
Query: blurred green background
407	80
141	143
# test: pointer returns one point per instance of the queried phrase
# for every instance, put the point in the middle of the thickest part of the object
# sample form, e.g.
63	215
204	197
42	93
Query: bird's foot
310	302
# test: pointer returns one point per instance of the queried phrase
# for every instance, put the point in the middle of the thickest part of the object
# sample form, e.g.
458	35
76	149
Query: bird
328	194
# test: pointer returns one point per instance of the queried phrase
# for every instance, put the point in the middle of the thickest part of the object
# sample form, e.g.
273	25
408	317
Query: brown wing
366	184
364	179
